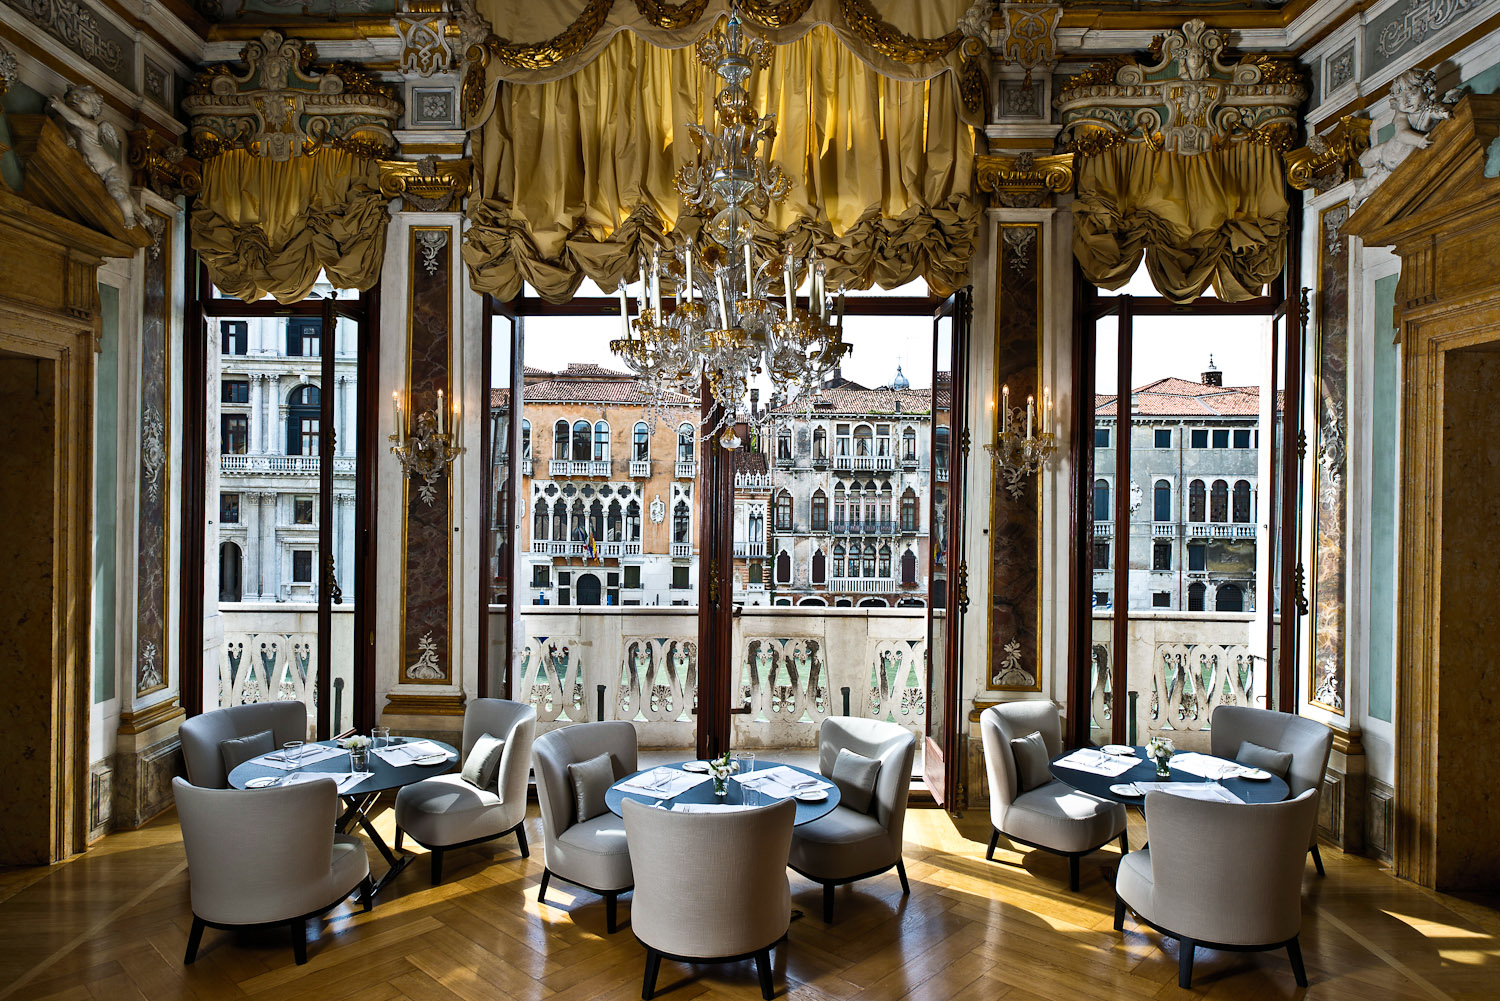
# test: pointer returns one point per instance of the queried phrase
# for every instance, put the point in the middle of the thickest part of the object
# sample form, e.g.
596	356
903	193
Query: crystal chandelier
736	316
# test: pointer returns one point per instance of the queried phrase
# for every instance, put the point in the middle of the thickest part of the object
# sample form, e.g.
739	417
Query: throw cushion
855	776
1031	761
484	758
591	779
1278	763
237	752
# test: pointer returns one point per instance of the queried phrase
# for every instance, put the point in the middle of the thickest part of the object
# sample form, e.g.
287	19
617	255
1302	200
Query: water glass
291	753
744	762
380	736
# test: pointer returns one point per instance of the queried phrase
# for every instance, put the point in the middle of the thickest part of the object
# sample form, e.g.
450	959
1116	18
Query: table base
356	811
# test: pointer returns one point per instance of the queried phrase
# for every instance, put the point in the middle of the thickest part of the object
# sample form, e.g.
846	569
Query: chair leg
1124	842
611	912
653	965
989	855
828	903
1185	964
194	938
763	967
901	871
437	866
1294	953
521	840
400	836
1119	913
299	942
541	893
367	893
1318	860
1073	873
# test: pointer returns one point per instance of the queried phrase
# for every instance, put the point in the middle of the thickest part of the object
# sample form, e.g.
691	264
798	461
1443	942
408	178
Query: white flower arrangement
719	769
1160	750
354	743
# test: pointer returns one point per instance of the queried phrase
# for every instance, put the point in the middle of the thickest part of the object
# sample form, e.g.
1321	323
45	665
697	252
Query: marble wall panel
1326	686
152	638
427	599
1015	507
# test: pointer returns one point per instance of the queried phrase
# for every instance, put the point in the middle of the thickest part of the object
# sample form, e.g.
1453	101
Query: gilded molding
1024	180
1331	158
671	15
890	41
1030	35
283	106
428	184
163	167
566	43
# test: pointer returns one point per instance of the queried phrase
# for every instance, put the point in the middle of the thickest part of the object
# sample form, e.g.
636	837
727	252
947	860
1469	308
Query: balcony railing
526	467
908	462
571	547
640	469
1163	530
687	469
857	463
563	468
1104	529
1219	530
270	653
870	528
752	481
682	550
885	463
278	465
862	585
746	550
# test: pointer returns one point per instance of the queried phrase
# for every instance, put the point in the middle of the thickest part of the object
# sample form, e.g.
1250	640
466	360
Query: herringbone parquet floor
111	926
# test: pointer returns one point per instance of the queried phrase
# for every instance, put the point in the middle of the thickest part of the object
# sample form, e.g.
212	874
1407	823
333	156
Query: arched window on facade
783	567
757	526
883	440
909	444
1242	501
819	511
1101	501
862	441
783	512
883	571
560	440
596	521
560	520
869	567
784	444
682	525
1229	598
583	441
1197	497
838	560
820	444
841	442
303	417
642	444
910	513
840	510
539	522
580	527
633	522
231	572
525	439
1162	501
756	574
614	525
885	510
601	441
1196	594
819	568
908	567
940	453
685	443
1218	502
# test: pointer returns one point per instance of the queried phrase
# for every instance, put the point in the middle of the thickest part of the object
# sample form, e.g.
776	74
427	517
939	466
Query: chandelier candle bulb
749	274
656	283
440	412
820	277
1046	411
723	302
625	309
690	269
1004	409
400	428
1030	402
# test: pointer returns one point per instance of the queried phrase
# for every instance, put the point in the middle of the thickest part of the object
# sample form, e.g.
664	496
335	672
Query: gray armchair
1182	886
447	812
844	846
1306	740
710	887
202	734
592	853
1054	816
266	857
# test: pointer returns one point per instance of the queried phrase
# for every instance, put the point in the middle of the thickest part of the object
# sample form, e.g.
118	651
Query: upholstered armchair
266	857
1306	740
1182	886
203	734
1043	813
589	852
710	887
852	842
451	811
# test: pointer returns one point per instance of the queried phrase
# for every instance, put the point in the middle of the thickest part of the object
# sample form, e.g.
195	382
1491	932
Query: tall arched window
682	525
1101	501
583	440
884	569
819	568
757	525
601	441
303	416
1229	598
1196	593
940	453
613	525
596	520
885	509
1242	501
869	559
784	444
820	443
1218	502
560	440
909	445
882	439
231	587
642	448
783	512
819	511
756	574
633	522
525	439
1197	496
685	443
840	511
580	523
560	519
910	517
908	567
1162	505
539	522
838	560
862	440
783	568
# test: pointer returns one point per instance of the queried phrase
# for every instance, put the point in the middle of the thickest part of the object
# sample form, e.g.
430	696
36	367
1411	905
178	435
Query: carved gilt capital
163	167
1024	180
1328	159
425	185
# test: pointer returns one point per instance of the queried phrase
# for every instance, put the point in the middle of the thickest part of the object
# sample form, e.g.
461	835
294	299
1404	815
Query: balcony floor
113	922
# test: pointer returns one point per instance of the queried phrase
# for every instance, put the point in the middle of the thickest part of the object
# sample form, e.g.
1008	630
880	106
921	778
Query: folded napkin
1191	790
782	782
401	755
709	807
1087	759
1208	766
662	782
345	780
310	754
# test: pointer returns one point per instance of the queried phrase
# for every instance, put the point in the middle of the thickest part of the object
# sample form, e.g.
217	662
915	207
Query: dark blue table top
383	775
704	793
1272	790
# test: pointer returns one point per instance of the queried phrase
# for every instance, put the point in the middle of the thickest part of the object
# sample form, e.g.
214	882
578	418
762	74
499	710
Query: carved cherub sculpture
80	109
1418	109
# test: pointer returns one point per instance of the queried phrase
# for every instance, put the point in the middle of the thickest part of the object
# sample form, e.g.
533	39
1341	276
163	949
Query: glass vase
721	786
1163	767
359	758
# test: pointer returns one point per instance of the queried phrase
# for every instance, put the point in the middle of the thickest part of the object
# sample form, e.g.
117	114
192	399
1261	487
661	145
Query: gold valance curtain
267	227
576	173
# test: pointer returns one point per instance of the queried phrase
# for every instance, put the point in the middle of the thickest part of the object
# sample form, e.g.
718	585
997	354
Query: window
909	567
613	528
564	588
680	577
1196	495
1162	505
301	566
541	575
819	568
1218	502
1101	500
884	569
685	443
783	512
1242	438
1101	437
1101	556
560	440
633	576
783	567
1162	437
838	560
820	444
940	453
883	440
229	509
234	391
1221	437
784	445
304	337
820	512
841	443
1229	598
231	563
303	417
1101	599
539	522
681	523
1161	599
840	509
560	521
909	511
1195	557
234	337
583	440
757	575
862	440
234	434
870	560
525	439
642	449
633	522
909	445
302	510
1195	597
1161	556
1242	501
1199	438
601	442
757	527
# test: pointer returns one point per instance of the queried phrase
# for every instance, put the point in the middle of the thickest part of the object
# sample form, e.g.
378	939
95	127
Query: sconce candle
1016	456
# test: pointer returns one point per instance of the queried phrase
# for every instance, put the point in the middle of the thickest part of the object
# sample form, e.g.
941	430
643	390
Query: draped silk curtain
265	227
576	172
1217	218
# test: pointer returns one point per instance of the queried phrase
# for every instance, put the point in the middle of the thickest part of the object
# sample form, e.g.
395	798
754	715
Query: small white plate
1124	789
263	782
811	795
1119	750
695	766
1256	775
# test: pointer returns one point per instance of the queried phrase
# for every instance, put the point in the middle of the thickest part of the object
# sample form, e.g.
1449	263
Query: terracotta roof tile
1172	397
861	402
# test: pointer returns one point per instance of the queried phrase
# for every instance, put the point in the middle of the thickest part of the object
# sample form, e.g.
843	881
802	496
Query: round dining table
358	799
1269	790
703	793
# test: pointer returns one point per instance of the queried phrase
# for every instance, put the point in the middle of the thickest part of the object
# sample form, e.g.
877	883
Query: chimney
1213	377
